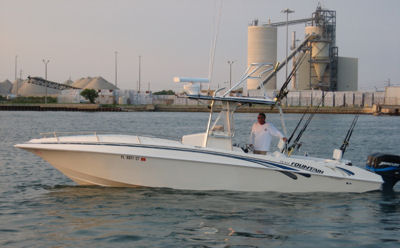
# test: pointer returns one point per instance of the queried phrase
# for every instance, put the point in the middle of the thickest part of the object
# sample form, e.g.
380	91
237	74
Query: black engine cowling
386	165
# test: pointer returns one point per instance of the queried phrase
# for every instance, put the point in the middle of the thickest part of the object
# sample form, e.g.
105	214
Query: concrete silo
261	48
319	52
319	70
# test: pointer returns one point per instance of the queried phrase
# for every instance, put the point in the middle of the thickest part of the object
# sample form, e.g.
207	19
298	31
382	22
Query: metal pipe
280	65
230	73
248	74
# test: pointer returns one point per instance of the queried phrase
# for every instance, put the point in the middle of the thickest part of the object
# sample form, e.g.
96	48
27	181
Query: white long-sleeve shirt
261	135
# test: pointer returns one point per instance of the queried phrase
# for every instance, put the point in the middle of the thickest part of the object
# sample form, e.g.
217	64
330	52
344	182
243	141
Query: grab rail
57	135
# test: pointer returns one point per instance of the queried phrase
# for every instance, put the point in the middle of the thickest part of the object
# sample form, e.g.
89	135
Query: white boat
121	160
204	161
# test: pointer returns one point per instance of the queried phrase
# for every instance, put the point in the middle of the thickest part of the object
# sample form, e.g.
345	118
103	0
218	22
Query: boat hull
121	166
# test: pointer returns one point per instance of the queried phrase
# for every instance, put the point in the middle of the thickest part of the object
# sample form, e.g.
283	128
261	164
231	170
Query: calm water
39	207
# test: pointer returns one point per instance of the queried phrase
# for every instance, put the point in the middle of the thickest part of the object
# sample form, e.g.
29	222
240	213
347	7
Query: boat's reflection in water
162	217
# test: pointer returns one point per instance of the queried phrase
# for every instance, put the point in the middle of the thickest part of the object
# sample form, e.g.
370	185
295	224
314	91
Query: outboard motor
386	165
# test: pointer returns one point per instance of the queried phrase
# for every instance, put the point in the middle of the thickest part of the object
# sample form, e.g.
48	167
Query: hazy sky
174	37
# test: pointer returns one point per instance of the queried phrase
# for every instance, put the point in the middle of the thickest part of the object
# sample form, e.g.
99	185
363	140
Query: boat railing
57	135
97	134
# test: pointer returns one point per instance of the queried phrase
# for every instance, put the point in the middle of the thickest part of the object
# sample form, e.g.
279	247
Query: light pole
140	61
45	77
16	81
292	47
116	68
230	73
16	59
287	11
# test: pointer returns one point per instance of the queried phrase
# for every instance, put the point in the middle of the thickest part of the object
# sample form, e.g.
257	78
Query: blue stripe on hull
264	163
391	168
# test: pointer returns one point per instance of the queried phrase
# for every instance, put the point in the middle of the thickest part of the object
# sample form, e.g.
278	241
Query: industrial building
320	67
68	92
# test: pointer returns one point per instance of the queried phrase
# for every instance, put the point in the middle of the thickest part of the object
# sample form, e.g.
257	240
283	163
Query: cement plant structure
322	68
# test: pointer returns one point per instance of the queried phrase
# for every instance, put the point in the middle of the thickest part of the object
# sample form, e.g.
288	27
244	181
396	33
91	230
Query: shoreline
373	110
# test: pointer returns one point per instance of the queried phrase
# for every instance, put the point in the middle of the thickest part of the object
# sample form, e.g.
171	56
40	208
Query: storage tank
122	100
313	30
261	48
319	52
303	76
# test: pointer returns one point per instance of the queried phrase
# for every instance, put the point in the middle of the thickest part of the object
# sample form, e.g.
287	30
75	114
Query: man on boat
261	135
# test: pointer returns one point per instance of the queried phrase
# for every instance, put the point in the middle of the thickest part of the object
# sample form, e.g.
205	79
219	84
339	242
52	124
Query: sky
174	38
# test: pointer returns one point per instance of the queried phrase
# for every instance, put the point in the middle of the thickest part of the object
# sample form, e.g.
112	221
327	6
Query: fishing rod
349	133
285	149
297	126
296	144
283	93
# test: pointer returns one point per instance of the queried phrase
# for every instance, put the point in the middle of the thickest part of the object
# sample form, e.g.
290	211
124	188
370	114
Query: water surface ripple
39	207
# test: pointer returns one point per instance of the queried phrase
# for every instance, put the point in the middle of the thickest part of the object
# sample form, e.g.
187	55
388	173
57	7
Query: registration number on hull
131	157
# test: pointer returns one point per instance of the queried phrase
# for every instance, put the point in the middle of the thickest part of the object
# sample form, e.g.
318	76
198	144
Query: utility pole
45	77
230	73
287	11
116	68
